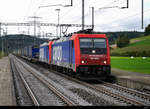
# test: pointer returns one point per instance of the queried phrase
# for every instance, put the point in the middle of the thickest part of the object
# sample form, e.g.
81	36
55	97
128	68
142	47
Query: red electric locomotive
92	55
85	55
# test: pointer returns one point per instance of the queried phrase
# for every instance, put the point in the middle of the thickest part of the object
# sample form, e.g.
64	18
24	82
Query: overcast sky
112	19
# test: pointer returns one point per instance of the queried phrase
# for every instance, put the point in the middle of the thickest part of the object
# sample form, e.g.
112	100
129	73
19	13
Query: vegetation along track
50	86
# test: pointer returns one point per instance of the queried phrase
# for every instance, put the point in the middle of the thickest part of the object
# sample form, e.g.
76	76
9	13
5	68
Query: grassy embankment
137	64
137	47
2	54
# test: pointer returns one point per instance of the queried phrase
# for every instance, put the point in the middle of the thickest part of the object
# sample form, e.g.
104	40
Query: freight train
84	55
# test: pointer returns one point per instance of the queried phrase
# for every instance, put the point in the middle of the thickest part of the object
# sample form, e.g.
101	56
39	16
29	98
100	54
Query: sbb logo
57	51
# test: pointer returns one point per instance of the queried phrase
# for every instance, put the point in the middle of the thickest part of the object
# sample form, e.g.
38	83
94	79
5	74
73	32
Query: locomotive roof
45	43
61	39
73	36
88	35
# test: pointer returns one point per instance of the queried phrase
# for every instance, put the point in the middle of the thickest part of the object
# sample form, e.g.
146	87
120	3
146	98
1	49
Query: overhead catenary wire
34	13
127	17
97	10
29	7
67	16
111	3
115	1
135	26
69	10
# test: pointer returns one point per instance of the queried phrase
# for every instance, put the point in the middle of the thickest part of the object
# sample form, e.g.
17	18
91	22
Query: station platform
7	94
132	79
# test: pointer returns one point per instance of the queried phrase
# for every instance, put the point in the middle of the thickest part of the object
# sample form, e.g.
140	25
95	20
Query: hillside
137	47
13	42
113	36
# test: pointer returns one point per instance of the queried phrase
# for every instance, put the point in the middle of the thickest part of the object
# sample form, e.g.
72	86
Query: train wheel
111	79
73	74
63	70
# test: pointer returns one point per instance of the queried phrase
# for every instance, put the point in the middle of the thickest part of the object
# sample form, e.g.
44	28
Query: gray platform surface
145	78
7	96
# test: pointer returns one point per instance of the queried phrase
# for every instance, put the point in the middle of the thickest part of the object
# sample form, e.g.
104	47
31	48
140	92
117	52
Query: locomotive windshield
86	43
92	43
99	43
89	44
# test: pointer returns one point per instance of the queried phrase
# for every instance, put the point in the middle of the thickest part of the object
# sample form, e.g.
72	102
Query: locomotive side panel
41	54
44	53
50	51
72	55
63	54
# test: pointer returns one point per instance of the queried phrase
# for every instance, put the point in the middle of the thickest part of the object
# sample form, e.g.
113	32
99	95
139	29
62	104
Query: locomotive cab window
89	44
99	43
85	43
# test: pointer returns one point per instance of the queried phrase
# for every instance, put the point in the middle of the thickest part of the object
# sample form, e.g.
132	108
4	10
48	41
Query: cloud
112	19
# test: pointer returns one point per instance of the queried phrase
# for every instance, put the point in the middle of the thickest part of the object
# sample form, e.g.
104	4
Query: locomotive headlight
82	62
105	62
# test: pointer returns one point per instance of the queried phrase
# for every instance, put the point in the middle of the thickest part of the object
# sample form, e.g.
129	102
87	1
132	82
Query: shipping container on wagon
44	53
29	53
33	51
26	51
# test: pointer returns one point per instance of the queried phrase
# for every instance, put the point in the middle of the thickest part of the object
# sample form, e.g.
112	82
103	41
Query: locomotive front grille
94	70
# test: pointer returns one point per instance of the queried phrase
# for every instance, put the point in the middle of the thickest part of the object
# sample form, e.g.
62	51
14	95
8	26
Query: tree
122	41
147	30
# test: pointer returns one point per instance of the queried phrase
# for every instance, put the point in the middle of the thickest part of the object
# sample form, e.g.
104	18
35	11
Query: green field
137	64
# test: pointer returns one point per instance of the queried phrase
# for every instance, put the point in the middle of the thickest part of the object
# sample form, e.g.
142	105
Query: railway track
141	95
33	97
47	84
117	96
120	97
146	91
30	92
